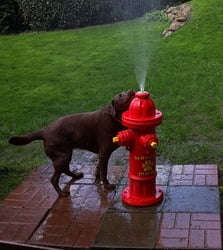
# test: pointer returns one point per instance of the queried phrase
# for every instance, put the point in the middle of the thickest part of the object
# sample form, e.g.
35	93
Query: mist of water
141	62
136	37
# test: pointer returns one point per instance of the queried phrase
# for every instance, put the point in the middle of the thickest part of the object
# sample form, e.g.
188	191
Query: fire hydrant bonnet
142	112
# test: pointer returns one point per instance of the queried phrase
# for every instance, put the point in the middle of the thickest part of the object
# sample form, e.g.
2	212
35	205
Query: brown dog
92	131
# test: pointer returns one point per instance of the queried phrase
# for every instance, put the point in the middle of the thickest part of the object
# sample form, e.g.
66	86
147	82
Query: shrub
63	14
67	14
156	16
9	17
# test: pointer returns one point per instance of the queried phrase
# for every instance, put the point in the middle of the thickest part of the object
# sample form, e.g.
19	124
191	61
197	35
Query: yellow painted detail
141	158
147	165
115	139
153	144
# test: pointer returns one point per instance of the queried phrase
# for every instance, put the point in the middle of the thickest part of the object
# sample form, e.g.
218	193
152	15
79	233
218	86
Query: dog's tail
25	139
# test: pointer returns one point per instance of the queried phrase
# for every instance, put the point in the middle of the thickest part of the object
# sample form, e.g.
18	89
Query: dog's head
120	103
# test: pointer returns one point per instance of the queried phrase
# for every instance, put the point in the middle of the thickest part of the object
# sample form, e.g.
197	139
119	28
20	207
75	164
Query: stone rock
175	26
181	18
179	15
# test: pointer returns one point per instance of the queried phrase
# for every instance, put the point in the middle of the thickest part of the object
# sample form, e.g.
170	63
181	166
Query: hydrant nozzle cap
153	144
115	139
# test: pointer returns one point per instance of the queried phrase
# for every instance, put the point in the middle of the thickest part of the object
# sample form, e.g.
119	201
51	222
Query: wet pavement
32	216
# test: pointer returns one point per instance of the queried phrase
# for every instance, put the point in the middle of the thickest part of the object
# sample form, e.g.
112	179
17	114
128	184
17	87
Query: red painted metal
141	141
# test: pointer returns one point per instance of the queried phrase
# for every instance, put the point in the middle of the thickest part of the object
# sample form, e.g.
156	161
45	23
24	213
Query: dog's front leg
102	171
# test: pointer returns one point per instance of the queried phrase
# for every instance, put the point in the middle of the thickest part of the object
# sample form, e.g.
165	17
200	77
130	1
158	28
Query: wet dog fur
91	131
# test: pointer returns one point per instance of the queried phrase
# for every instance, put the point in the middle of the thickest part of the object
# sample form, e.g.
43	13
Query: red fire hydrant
140	139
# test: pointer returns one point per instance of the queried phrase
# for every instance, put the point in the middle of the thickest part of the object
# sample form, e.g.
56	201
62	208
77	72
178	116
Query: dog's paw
78	175
64	193
109	186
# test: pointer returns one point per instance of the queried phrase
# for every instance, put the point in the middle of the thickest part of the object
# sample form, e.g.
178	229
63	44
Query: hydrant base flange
142	201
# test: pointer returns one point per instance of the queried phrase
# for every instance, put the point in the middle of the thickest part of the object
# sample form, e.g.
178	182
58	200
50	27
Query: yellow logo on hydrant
147	165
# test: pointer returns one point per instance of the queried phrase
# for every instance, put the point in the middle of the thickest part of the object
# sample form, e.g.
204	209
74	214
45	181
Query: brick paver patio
92	217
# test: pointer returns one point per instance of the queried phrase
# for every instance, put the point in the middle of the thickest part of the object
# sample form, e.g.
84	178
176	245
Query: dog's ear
111	108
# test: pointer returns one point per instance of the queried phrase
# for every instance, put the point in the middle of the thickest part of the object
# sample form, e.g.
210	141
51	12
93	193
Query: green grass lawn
49	74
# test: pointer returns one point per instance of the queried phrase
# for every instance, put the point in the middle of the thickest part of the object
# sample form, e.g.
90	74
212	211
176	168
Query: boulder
179	15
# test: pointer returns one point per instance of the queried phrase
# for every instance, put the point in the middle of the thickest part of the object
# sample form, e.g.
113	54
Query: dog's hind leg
61	161
55	182
66	170
75	175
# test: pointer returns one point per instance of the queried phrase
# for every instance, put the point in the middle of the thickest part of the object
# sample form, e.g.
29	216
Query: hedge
69	14
10	19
